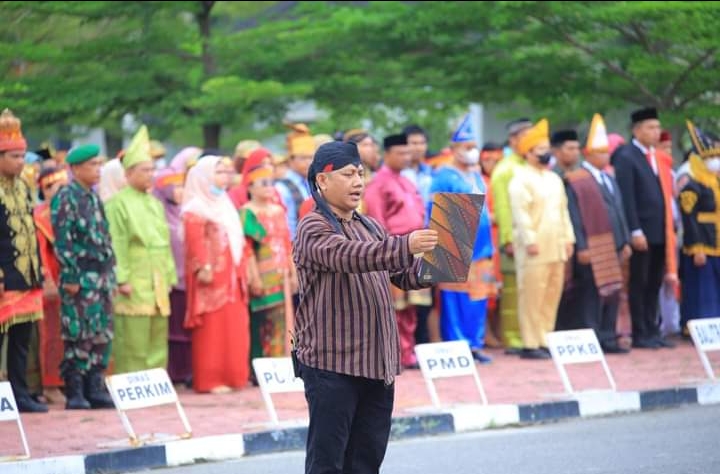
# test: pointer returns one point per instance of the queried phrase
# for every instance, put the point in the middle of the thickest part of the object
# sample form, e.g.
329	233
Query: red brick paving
507	380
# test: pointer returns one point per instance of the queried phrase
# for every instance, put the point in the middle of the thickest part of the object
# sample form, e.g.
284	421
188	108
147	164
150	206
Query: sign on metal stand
576	347
705	334
447	359
144	389
275	375
9	412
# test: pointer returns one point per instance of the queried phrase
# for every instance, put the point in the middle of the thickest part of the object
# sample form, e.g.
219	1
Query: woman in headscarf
168	188
112	179
266	227
215	279
185	159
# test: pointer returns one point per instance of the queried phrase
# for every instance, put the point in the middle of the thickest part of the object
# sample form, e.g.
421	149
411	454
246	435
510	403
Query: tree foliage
204	65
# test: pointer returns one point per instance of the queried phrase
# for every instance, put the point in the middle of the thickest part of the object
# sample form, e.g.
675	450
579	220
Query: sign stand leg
134	441
609	375
433	392
564	377
185	422
270	407
24	439
480	388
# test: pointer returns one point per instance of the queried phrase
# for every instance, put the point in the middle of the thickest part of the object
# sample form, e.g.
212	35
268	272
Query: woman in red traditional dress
50	341
216	263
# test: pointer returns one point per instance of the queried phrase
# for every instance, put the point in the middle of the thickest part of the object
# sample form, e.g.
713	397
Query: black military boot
95	390
75	399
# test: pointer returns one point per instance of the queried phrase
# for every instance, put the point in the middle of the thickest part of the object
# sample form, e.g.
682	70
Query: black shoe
480	357
513	351
662	342
645	344
26	404
546	350
74	392
95	392
614	349
413	366
536	354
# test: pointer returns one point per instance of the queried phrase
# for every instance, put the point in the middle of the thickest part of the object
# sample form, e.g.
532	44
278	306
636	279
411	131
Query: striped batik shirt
345	321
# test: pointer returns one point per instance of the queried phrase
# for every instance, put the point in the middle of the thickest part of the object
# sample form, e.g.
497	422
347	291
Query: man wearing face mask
700	208
463	306
543	238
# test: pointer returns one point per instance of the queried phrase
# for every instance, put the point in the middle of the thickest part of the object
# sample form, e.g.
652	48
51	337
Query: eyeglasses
264	182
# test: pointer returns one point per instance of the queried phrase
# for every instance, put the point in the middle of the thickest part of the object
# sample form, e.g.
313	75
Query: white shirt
653	160
599	176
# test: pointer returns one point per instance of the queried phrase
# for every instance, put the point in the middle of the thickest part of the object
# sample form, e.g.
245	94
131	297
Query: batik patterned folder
455	216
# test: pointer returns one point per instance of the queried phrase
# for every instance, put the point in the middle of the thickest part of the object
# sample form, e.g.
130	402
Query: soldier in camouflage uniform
84	249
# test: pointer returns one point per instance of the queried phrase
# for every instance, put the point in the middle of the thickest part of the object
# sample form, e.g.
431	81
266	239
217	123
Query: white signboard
9	412
576	347
144	389
275	375
446	359
705	334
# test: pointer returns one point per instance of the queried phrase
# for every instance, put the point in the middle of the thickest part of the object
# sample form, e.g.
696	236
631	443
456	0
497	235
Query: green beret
81	154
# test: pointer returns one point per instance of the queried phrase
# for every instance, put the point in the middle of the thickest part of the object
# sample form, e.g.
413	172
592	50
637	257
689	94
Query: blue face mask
216	191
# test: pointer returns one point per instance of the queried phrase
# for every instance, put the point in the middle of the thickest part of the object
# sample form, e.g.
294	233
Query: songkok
703	144
394	140
331	157
52	175
11	137
45	152
465	131
244	147
649	113
157	150
299	140
139	149
518	125
82	153
562	136
535	136
597	140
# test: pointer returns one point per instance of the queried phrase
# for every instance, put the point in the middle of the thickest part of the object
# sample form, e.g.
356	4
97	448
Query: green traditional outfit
269	235
141	240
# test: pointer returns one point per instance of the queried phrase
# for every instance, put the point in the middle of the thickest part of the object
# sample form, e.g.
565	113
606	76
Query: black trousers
581	307
422	332
647	271
18	339
350	421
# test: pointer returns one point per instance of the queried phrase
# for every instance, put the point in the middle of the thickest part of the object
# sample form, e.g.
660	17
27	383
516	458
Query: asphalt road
678	441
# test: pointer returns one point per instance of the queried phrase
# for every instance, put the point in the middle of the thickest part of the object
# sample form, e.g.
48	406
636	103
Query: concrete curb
427	422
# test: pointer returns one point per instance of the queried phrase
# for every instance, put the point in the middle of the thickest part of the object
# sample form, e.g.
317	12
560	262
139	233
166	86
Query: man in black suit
637	170
591	297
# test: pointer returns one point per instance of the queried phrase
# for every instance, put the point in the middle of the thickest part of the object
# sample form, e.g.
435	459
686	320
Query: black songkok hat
394	140
648	113
562	136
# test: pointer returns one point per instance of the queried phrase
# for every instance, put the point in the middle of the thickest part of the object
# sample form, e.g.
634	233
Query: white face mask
713	164
471	157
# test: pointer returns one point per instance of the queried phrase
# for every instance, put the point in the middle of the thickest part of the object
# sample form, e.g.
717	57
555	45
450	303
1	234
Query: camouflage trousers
87	329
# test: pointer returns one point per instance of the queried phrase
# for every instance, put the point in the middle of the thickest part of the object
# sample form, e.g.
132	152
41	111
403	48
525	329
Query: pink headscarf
614	142
199	200
180	162
112	179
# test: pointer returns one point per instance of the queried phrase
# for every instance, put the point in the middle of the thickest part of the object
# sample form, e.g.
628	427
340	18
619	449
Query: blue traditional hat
703	144
465	131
